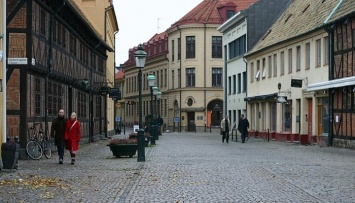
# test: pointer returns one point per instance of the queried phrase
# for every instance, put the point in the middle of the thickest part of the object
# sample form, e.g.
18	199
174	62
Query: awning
348	81
261	97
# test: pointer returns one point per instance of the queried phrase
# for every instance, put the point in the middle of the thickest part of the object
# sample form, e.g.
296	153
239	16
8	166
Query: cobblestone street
189	167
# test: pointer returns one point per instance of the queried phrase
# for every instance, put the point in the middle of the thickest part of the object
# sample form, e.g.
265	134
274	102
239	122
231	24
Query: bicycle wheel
46	149
34	150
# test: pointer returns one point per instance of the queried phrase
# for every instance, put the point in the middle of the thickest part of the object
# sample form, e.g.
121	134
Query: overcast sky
138	21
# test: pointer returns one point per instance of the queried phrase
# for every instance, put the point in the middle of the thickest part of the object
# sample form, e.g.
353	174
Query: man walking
225	126
57	131
243	127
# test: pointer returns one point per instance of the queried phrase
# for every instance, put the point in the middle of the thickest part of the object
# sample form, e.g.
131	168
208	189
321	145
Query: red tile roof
209	11
119	75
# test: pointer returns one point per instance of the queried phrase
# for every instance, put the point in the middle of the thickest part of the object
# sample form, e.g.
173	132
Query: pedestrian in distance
243	127
225	127
72	136
160	122
57	131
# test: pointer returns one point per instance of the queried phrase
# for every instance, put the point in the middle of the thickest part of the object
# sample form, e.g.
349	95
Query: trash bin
10	154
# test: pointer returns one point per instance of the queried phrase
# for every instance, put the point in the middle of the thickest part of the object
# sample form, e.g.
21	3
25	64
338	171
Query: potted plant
123	147
147	137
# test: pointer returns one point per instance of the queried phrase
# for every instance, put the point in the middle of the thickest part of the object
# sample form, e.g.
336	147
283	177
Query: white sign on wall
17	61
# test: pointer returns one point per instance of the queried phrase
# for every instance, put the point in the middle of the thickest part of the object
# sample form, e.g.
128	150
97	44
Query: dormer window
230	13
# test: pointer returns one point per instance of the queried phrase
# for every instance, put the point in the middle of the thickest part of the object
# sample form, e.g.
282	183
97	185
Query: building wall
95	11
235	101
297	97
203	93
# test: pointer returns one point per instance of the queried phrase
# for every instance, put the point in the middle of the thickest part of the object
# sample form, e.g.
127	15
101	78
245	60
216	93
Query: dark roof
300	17
345	9
208	11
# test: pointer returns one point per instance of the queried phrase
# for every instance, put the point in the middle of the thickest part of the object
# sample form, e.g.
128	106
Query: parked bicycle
38	144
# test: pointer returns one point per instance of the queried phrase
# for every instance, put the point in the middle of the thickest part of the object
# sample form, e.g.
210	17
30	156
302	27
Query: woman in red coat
72	136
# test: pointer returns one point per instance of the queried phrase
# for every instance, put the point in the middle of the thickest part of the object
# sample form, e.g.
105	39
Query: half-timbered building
56	60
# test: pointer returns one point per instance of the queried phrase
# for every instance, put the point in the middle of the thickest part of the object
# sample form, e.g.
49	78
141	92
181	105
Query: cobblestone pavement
189	167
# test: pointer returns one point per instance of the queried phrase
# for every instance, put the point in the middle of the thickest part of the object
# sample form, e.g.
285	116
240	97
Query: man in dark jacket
243	127
57	131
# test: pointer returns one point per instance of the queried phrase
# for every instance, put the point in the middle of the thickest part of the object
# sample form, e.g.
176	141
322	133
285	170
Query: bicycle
38	144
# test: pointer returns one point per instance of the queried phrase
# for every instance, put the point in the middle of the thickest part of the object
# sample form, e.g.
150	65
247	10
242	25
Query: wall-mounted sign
17	61
296	83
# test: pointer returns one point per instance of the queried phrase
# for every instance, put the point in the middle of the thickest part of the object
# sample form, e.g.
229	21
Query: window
190	77
239	83
290	61
37	97
179	48
252	72
237	47
216	77
244	81
230	13
282	63
165	77
326	50
353	38
318	53
298	60
286	117
216	47
275	64
190	47
161	78
273	115
54	98
264	69
72	44
172	79
339	42
179	78
97	108
190	102
257	70
234	84
42	23
229	85
308	55
270	66
172	50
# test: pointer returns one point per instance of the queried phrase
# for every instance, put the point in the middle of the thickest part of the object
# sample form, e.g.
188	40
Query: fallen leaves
35	182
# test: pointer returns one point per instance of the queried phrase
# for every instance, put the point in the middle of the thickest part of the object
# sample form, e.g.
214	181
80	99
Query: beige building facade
102	17
280	68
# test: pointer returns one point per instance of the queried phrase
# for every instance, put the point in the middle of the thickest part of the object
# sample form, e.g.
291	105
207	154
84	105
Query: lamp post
151	83
140	56
155	117
158	96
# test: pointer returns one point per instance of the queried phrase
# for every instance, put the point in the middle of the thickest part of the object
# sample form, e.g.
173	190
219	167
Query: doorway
191	121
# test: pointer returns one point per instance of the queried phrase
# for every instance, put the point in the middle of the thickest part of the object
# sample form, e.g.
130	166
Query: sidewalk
189	167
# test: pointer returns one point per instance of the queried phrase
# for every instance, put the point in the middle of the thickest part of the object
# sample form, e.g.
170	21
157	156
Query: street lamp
151	83
155	117
140	56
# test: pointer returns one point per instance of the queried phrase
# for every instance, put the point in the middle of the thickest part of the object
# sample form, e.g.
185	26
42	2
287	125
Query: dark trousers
244	135
225	136
60	151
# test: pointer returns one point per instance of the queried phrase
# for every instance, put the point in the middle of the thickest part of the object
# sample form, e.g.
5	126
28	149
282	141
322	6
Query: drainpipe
91	99
246	90
330	32
114	81
180	78
49	66
4	38
204	65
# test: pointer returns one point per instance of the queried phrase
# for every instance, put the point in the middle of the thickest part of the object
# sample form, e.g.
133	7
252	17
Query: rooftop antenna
158	25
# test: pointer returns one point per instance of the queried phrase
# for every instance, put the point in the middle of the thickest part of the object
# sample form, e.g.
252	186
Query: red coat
72	135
